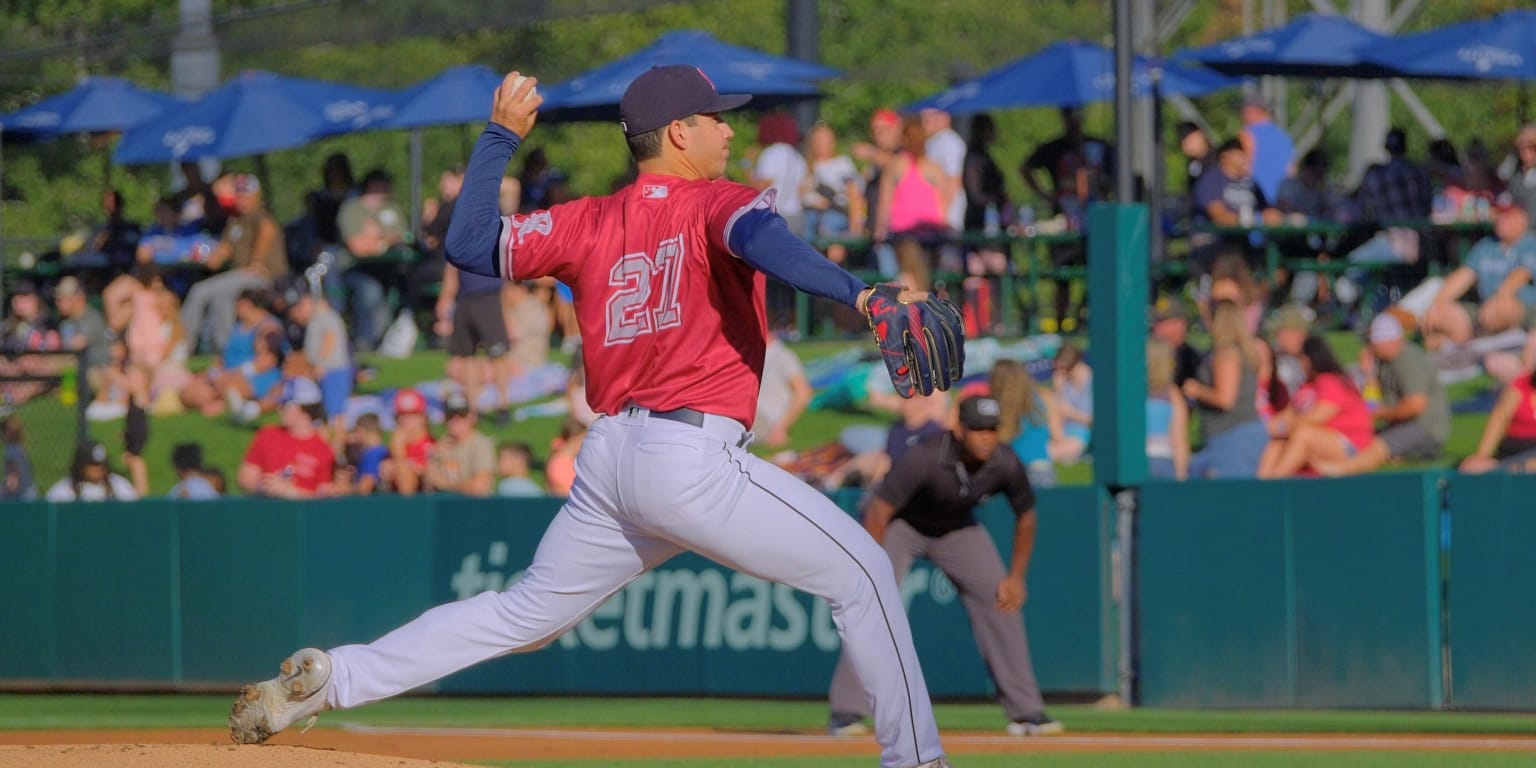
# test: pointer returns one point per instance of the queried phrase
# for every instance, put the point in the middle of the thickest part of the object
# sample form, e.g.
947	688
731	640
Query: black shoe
846	724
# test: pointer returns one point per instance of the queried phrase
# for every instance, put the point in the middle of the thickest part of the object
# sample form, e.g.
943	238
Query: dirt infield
372	747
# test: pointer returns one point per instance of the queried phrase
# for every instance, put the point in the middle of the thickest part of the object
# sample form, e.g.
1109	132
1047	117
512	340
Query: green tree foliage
892	52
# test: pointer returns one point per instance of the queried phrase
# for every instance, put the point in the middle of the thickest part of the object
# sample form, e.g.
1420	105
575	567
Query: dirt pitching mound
197	756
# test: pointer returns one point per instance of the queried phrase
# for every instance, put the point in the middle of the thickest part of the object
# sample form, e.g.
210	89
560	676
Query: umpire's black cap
980	412
669	93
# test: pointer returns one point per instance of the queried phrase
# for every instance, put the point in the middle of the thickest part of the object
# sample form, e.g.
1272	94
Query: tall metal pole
1125	190
1371	103
802	27
195	64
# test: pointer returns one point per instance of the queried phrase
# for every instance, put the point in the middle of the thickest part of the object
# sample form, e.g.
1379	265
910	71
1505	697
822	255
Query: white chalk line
1086	741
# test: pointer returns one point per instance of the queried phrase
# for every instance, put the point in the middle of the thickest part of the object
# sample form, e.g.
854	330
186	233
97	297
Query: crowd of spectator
283	310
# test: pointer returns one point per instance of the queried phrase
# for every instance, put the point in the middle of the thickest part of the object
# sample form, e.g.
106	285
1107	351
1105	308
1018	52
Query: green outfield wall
1248	594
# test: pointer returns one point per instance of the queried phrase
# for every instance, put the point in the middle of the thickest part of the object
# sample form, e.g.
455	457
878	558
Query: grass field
31	712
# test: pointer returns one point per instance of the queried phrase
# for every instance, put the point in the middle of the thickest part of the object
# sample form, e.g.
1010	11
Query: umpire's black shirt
935	493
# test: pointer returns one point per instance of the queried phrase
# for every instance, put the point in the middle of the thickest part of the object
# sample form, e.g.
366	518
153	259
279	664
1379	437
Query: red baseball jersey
669	317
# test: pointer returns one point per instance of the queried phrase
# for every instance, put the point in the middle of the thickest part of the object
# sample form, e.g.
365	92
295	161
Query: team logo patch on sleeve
653	192
539	222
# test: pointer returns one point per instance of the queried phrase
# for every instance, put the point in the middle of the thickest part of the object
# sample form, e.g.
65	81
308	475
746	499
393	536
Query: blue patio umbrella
1067	74
454	96
769	78
253	113
97	104
1311	45
1501	47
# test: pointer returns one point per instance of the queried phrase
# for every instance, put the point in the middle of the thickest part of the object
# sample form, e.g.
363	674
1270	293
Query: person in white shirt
780	166
91	480
947	149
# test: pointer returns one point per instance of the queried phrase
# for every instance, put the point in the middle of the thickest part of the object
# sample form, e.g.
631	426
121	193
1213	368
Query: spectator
986	191
1415	413
191	483
1501	267
463	461
1224	394
370	225
1521	176
90	479
784	395
925	507
528	310
1167	416
291	459
1307	196
542	186
876	156
915	192
1289	327
322	206
1267	144
198	205
1509	436
169	240
253	248
514	464
1170	324
27	328
1393	192
780	166
82	328
327	359
19	482
252	322
917	417
1031	419
833	195
560	470
1195	146
1327	422
1073	381
115	242
472	305
1079	168
410	445
256	387
436	213
367	456
1227	196
946	148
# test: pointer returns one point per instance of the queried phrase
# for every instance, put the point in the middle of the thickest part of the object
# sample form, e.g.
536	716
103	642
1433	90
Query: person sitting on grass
514	463
1509	437
367	455
1328	421
1416	413
1501	267
191	482
291	459
90	479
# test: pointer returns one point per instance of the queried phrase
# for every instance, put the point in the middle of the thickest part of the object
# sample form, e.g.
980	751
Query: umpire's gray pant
970	559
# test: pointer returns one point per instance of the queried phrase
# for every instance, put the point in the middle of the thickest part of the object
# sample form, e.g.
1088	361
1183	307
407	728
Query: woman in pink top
914	195
1326	421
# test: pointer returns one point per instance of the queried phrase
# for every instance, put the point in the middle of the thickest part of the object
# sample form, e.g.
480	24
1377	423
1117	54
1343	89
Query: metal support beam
1417	108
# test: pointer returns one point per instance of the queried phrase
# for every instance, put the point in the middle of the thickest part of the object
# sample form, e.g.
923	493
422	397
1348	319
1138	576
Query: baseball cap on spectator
301	391
1166	308
68	286
24	287
246	184
884	116
664	94
1384	328
90	452
980	412
409	401
1293	316
455	404
1505	203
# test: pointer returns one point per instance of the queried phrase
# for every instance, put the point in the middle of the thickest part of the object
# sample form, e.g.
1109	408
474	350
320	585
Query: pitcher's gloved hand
921	337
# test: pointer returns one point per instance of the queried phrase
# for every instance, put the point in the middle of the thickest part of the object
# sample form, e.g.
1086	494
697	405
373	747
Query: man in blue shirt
1501	267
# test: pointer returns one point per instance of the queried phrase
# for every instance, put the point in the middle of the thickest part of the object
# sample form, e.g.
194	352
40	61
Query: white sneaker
299	691
1042	726
939	763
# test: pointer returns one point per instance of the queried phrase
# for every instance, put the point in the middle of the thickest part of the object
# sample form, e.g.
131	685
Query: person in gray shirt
326	352
1413	405
82	328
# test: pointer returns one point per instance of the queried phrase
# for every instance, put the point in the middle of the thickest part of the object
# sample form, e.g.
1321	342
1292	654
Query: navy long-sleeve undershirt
475	229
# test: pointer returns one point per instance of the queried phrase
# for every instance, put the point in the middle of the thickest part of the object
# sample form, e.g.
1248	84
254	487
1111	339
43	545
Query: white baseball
518	83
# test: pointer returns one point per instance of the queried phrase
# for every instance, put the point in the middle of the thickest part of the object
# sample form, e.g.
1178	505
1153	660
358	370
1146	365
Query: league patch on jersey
539	222
653	192
764	200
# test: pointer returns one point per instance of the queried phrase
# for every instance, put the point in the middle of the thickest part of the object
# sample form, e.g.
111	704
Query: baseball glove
923	342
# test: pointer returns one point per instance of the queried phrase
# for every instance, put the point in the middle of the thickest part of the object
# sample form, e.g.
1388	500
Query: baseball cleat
847	725
939	763
1037	726
299	691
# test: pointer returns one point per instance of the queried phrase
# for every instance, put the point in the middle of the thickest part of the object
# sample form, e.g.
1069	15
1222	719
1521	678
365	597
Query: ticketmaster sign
693	627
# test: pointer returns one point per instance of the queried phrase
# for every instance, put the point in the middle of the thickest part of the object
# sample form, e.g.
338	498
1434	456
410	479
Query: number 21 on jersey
646	295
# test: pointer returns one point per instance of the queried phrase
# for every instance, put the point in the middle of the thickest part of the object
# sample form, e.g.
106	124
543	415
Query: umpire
925	508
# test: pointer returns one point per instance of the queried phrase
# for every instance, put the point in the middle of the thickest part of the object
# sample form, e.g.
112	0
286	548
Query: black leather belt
682	416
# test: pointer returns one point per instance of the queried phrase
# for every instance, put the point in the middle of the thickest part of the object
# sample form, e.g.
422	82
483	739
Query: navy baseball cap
669	93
